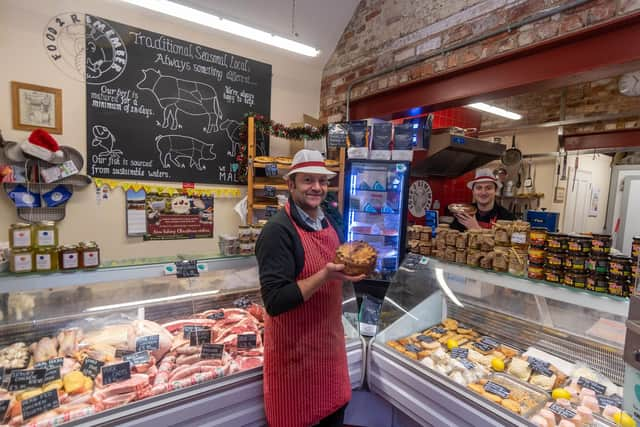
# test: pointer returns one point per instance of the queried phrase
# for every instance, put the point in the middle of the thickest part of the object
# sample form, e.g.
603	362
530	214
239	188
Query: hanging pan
512	156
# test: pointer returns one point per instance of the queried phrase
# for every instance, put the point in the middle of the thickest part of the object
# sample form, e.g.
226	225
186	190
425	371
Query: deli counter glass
133	346
466	347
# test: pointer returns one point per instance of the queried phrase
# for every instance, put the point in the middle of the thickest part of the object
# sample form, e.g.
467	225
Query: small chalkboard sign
537	362
562	411
50	364
269	191
541	369
120	353
187	268
337	135
26	378
91	367
39	404
487	340
216	316
150	342
425	338
52	375
271	169
466	363
270	211
189	329
116	372
200	337
412	348
483	346
247	341
497	389
460	353
212	351
139	358
4	405
437	330
609	400
597	387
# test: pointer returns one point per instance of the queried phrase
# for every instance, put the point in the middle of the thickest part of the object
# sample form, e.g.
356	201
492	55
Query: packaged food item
369	315
20	235
579	244
68	257
247	248
535	272
517	262
619	286
46	259
450	254
538	237
244	234
635	247
57	197
441	243
576	280
601	244
451	237
620	265
597	264
425	233
576	262
555	259
486	261
21	260
473	239
556	242
502	230
501	259
256	229
598	283
510	393
23	198
461	241
425	248
487	242
474	257
520	234
45	234
553	275
89	254
536	255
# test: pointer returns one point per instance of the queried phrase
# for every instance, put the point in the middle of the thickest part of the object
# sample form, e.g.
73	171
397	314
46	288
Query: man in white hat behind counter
306	380
484	187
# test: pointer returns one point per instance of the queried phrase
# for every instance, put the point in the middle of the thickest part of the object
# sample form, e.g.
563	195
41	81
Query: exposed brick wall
590	99
382	33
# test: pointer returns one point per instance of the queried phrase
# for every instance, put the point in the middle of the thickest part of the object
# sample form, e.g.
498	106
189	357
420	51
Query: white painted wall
295	90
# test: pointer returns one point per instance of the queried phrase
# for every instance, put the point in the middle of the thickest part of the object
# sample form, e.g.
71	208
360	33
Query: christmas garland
265	127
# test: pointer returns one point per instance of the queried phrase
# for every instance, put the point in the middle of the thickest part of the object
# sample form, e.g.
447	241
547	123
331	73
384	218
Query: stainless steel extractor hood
452	155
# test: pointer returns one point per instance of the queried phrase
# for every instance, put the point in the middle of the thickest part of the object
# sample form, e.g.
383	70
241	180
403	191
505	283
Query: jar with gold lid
68	257
45	234
20	236
21	260
244	234
46	259
89	254
502	230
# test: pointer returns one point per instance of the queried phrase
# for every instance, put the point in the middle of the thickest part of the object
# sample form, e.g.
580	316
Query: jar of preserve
520	234
536	255
425	233
473	239
598	264
46	259
441	243
579	244
501	259
556	242
46	234
68	257
451	237
635	247
502	230
517	262
461	257
20	236
619	286
555	260
553	275
247	248
89	254
486	261
620	265
424	248
461	241
21	260
535	272
487	241
598	283
538	237
256	229
244	234
413	233
450	254
474	257
601	244
576	262
576	280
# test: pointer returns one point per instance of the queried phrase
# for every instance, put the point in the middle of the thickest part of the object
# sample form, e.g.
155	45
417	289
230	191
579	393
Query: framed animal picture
36	107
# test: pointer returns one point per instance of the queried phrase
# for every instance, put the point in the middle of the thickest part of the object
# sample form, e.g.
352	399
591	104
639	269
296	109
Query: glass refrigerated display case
375	209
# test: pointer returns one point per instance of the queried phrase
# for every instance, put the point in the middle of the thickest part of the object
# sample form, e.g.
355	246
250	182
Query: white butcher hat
309	161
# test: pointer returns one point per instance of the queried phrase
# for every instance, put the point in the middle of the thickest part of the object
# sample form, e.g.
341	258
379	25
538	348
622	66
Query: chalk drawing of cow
174	147
174	94
232	129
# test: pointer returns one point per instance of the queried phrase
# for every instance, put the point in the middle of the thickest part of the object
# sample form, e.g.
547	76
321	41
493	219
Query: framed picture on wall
36	107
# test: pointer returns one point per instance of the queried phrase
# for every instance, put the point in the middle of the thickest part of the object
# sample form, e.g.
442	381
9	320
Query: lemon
623	419
497	364
451	344
560	393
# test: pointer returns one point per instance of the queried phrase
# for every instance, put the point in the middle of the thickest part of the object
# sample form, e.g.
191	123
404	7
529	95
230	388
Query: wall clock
629	84
420	198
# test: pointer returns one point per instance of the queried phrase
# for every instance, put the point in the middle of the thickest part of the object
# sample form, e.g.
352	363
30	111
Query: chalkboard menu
164	109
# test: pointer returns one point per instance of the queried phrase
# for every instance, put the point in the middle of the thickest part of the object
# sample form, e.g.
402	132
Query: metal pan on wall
512	156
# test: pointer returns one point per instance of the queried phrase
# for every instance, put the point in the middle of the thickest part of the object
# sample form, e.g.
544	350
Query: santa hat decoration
43	146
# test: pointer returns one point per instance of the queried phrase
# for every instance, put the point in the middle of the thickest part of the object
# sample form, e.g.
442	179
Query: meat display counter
132	346
466	347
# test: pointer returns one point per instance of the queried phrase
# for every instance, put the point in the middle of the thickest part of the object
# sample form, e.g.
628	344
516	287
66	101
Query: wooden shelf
260	182
287	167
263	206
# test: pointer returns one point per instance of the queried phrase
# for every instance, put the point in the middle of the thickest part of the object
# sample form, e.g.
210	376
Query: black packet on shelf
369	315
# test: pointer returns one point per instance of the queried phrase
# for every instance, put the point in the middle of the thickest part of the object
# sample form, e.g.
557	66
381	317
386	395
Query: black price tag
563	412
200	337
541	370
487	340
271	169
460	353
216	316
247	341
270	211
483	346
337	135
412	348
269	191
39	404
438	330
189	329
4	405
467	364
139	358
187	268
537	362
497	389
26	378
609	400
424	338
120	353
597	387
212	351
52	375
91	367
116	372
50	364
150	342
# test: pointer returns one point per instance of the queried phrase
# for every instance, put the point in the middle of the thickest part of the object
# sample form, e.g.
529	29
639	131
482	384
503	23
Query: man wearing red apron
306	380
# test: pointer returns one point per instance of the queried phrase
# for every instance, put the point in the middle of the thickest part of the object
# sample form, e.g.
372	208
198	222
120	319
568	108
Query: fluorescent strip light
495	110
203	18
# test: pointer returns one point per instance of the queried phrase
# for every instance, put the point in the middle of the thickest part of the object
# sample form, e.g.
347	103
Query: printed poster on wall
178	216
164	109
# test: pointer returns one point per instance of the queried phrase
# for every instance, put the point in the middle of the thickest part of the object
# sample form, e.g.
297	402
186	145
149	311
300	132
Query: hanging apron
306	377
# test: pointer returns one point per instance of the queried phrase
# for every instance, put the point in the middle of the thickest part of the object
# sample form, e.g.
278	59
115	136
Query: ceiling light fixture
203	18
495	110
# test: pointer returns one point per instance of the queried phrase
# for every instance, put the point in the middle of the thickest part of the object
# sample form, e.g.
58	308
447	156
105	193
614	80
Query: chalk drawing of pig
174	94
174	147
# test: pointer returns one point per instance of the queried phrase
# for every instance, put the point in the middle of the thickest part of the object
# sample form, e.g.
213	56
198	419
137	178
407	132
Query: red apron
305	363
